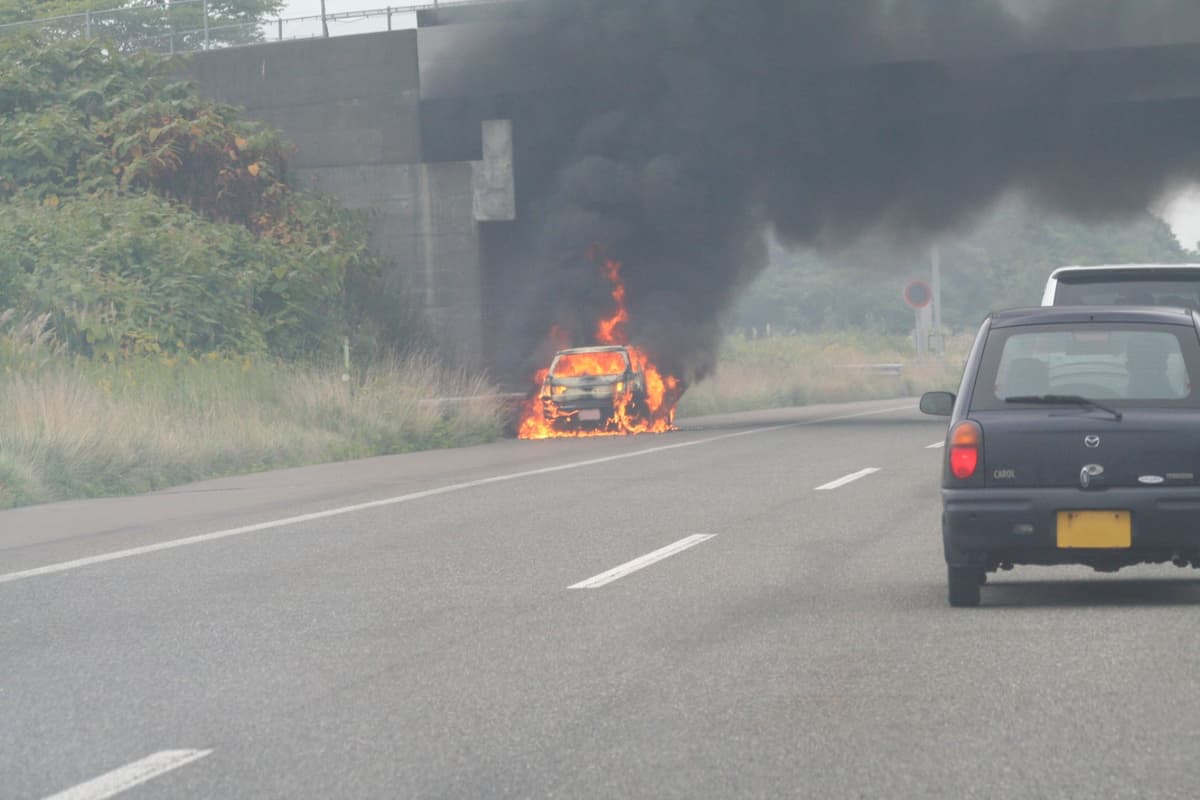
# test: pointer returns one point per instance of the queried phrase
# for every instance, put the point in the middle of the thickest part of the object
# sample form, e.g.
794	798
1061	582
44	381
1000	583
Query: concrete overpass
375	126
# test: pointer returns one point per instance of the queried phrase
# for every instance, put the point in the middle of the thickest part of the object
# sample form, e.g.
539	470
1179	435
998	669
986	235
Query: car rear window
1094	290
1131	365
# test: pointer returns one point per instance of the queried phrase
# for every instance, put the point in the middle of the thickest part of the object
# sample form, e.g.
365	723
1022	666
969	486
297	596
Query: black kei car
1074	439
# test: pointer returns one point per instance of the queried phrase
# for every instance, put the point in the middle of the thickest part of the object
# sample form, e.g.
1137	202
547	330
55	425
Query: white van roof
1081	272
1103	267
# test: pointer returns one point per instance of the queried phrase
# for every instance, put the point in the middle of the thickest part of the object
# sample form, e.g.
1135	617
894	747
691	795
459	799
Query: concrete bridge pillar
425	221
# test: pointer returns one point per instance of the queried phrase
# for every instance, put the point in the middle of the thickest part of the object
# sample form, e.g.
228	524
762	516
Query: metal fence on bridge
183	26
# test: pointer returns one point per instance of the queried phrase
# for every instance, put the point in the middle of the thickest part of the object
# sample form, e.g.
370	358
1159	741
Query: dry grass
77	429
70	428
785	371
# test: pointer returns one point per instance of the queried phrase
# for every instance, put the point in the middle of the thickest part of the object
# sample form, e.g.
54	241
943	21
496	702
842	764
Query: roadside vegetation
802	369
75	427
146	220
173	306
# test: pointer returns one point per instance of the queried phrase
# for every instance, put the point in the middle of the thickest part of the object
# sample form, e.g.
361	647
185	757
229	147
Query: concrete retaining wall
352	106
423	222
349	100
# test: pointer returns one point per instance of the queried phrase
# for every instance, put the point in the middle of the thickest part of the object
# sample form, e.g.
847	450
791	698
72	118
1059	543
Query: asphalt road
257	638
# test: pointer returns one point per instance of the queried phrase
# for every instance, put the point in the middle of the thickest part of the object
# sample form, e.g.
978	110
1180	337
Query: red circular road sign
917	294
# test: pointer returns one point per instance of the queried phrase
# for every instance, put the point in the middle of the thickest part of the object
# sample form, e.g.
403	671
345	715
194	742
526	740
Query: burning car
613	388
593	387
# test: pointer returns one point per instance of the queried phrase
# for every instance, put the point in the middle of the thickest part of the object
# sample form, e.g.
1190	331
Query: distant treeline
1000	263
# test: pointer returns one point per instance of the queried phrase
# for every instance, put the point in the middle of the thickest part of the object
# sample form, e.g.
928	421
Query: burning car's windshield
575	365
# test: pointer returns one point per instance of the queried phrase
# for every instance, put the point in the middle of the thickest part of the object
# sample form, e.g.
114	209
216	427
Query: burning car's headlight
620	387
557	390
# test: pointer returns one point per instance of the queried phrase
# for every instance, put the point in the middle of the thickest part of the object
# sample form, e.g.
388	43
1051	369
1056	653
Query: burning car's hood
586	381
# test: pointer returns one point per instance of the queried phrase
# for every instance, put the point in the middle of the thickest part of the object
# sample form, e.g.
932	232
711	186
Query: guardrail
183	26
507	397
891	368
894	368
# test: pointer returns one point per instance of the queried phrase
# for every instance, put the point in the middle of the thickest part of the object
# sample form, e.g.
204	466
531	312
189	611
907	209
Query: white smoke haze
1181	210
675	132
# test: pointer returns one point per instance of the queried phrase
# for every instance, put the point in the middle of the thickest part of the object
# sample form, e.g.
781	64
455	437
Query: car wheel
964	585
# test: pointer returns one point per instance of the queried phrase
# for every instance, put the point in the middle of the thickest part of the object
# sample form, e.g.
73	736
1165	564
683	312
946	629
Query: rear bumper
1019	526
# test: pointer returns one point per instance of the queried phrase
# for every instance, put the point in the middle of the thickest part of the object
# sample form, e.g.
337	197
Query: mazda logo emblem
1091	440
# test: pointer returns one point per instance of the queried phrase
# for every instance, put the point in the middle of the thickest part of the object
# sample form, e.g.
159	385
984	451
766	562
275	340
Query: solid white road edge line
596	581
64	566
842	481
935	445
113	783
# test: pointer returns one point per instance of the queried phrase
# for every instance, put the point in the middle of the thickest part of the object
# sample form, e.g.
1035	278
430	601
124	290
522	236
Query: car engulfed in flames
611	388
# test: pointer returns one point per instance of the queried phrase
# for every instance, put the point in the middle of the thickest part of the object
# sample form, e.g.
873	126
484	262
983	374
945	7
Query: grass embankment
72	428
783	371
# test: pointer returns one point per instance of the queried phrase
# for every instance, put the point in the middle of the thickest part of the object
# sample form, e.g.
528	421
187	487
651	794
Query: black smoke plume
675	133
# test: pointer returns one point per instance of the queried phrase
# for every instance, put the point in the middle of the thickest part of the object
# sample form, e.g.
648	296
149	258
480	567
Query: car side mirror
940	404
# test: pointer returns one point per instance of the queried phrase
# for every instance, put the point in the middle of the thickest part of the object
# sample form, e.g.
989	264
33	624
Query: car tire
964	585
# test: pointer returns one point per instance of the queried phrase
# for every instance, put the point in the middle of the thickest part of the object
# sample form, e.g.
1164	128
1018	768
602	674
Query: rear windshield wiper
1063	400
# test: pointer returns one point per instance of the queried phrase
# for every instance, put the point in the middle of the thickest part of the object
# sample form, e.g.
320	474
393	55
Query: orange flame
646	408
612	330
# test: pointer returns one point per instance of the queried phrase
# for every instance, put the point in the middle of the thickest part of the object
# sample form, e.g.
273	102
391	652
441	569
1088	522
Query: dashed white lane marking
113	783
842	481
64	566
596	581
936	445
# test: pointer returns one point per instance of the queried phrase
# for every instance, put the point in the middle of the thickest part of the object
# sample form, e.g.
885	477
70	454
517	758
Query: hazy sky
1182	213
307	8
303	8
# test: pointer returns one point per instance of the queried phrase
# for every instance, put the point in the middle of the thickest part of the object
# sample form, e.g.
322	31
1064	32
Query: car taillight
965	442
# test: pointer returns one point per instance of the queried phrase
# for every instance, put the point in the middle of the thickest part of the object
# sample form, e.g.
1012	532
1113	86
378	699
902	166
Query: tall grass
72	428
75	428
782	371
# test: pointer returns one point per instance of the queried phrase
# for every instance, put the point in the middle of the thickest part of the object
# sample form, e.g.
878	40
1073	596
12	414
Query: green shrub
146	219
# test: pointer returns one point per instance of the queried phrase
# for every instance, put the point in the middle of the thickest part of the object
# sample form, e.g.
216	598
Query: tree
1000	262
143	218
160	25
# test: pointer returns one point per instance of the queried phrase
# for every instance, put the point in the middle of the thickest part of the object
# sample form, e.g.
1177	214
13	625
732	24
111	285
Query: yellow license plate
1094	529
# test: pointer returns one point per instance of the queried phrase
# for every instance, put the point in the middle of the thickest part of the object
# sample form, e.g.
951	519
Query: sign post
918	295
935	277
